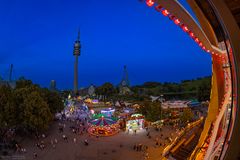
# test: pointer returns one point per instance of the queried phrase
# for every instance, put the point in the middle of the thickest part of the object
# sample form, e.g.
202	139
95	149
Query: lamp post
161	100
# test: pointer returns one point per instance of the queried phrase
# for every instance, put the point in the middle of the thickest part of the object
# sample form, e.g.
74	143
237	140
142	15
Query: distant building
175	104
91	90
180	104
123	90
154	98
83	91
11	84
53	85
157	98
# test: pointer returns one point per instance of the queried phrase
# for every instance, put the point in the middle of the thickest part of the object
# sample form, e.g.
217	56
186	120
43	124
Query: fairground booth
135	122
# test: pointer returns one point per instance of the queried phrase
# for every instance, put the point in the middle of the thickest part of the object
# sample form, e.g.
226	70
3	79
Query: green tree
53	100
154	111
22	83
107	89
151	84
151	110
19	96
186	116
186	89
6	107
204	90
37	114
27	107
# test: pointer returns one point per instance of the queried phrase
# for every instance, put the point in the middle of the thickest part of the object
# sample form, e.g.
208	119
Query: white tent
117	104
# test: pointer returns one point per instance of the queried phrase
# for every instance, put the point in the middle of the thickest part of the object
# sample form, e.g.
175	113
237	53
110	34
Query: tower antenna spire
126	75
125	80
10	73
78	38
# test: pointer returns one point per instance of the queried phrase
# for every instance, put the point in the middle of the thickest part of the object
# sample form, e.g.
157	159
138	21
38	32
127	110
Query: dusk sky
37	37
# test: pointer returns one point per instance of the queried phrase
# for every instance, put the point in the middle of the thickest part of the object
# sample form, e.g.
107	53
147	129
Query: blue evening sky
37	38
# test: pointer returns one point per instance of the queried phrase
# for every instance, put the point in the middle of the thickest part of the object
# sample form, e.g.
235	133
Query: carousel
103	126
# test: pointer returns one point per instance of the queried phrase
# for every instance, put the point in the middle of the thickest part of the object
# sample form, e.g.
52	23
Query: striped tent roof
103	121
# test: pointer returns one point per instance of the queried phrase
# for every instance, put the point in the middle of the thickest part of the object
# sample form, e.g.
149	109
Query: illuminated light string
166	13
150	3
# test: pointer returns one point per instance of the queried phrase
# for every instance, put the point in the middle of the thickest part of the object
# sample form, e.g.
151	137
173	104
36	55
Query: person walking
140	147
148	133
86	142
52	142
34	155
135	147
55	140
146	155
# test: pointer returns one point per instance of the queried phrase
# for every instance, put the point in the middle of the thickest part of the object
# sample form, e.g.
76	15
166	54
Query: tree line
199	88
28	108
154	112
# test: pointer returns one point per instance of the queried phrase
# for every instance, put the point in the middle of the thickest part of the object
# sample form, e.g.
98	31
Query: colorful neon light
150	3
166	13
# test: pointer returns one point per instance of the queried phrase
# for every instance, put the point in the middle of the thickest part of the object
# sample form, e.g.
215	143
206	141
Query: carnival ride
108	112
222	112
103	126
74	109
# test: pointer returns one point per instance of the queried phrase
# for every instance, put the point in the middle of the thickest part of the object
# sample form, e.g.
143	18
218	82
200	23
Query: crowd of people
68	131
76	127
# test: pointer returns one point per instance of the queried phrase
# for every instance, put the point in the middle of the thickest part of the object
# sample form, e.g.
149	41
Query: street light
161	100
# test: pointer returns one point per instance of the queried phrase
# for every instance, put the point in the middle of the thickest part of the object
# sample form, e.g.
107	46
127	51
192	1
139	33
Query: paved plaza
117	147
